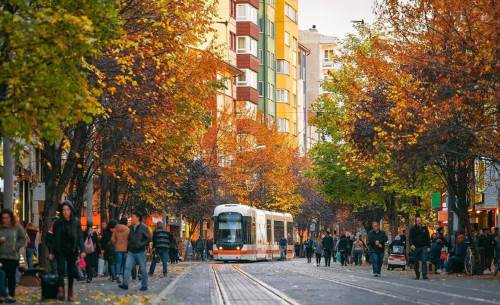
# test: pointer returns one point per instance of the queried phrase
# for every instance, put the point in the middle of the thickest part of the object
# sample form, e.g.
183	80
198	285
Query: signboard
436	200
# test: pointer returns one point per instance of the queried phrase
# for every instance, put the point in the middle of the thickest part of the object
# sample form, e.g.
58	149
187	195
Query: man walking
420	243
138	240
283	245
376	242
327	243
161	245
309	245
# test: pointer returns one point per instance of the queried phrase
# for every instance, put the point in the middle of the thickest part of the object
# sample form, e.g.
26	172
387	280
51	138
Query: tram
244	233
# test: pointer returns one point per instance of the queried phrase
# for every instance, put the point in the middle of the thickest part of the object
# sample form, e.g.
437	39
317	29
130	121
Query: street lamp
362	21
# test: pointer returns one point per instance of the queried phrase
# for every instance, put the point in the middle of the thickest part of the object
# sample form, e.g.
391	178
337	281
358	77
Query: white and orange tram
244	233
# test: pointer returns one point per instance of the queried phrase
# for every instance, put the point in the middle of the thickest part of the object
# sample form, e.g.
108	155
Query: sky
333	17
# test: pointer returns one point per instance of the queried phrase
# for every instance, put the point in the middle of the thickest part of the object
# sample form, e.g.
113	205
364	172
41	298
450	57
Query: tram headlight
237	248
220	248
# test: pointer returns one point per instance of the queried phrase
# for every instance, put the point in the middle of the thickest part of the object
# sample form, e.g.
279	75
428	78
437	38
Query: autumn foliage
419	93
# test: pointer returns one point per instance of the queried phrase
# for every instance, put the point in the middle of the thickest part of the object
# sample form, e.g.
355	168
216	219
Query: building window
282	96
271	29
229	87
328	56
287	39
260	55
262	24
247	79
247	45
233	8
271	2
294	72
246	12
270	91
282	66
295	128
261	89
282	125
294	100
290	12
233	41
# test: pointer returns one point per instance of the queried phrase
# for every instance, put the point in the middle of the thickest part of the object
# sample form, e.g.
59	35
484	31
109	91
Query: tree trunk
8	174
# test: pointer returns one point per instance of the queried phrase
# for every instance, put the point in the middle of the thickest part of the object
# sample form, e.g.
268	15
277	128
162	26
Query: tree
44	66
420	89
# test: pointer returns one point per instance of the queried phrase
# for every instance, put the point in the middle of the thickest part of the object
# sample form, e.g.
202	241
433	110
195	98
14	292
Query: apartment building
287	72
319	63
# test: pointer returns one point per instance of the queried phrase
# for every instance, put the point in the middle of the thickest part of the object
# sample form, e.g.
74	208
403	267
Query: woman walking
357	250
318	251
91	246
68	245
12	239
32	244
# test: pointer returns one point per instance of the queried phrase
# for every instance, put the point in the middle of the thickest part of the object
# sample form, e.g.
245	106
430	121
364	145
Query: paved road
298	283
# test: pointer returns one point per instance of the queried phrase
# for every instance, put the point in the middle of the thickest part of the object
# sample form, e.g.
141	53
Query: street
296	282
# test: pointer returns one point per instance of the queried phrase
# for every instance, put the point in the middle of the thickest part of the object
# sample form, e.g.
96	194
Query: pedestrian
32	244
108	250
138	240
342	248
420	244
483	245
283	243
455	263
327	244
68	246
435	252
309	248
358	248
376	242
12	239
335	246
172	251
350	243
161	245
119	239
49	243
497	250
91	246
318	250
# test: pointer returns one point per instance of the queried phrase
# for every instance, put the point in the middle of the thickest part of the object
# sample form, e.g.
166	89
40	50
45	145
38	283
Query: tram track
234	286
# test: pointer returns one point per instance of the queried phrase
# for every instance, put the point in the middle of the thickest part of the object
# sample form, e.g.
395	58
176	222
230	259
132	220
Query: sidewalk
103	291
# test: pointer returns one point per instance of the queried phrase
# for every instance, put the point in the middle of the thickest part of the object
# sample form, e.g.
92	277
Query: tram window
269	232
289	232
279	230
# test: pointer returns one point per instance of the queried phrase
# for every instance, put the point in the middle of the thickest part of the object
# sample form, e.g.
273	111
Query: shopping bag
100	267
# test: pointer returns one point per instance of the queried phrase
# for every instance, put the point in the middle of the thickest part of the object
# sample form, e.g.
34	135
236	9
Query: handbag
89	245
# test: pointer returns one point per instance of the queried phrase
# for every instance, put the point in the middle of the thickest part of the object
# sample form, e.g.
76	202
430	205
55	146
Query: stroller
397	258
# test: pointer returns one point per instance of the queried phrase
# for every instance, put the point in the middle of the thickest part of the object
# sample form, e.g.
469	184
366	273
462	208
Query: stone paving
102	291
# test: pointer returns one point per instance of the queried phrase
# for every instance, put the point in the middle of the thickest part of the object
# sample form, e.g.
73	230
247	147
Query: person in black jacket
420	243
376	242
68	245
161	245
327	244
92	250
108	248
342	247
138	240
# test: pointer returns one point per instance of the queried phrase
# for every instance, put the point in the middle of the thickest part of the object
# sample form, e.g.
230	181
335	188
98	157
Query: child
82	265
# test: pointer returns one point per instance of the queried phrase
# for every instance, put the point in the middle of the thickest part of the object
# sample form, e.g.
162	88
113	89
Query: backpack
89	245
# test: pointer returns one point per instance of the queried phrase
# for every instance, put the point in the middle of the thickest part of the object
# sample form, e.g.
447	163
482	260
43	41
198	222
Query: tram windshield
229	228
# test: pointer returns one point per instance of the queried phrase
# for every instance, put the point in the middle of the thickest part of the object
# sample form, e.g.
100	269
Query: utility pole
8	175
